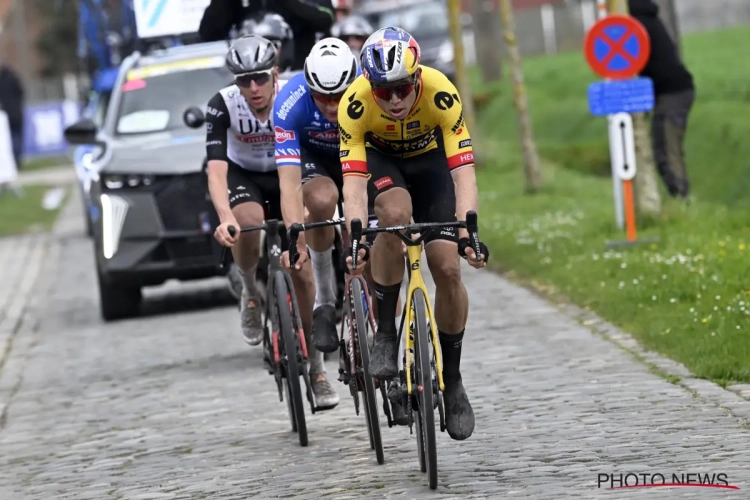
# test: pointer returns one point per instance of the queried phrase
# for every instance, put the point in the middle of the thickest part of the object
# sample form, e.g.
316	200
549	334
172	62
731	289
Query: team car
151	215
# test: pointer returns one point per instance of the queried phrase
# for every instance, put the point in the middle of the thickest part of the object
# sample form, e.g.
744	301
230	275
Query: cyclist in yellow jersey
405	150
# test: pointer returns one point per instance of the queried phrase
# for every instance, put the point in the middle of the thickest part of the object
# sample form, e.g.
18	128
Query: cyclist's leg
304	288
392	205
431	186
320	194
246	202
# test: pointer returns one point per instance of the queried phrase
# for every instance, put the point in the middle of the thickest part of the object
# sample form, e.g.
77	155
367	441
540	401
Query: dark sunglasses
327	99
401	89
260	78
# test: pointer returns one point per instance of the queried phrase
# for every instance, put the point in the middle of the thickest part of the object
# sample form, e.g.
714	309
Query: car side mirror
194	117
82	132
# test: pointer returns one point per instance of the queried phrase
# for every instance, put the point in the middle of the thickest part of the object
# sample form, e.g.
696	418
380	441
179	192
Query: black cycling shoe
324	329
459	416
398	415
383	357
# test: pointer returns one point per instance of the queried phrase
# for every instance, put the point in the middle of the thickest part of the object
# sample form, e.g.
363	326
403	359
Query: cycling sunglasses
401	89
260	78
327	99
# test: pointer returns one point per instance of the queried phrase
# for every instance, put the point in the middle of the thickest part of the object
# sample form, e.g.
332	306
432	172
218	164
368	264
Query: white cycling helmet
330	67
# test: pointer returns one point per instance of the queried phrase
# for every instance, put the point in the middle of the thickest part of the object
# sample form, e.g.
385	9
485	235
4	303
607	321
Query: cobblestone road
174	405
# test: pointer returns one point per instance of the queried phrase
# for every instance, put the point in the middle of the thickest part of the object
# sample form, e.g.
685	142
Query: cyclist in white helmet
354	30
307	156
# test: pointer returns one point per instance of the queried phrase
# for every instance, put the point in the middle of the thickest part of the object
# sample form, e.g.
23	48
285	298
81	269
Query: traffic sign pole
617	48
622	150
601	13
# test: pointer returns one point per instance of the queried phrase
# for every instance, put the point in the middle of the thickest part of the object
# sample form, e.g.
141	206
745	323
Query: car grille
181	200
190	249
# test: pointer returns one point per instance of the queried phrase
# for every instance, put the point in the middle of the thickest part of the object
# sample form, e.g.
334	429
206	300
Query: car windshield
156	102
424	19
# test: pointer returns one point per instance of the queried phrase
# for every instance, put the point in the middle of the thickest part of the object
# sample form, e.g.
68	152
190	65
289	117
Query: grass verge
21	215
32	164
687	297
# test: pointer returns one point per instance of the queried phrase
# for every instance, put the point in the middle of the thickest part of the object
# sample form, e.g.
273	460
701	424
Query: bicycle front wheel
423	377
371	401
290	350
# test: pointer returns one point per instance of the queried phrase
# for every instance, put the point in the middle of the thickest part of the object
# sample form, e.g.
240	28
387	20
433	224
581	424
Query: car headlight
445	53
119	181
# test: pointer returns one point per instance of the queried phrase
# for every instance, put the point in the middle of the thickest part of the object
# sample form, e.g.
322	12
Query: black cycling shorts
427	179
256	187
318	165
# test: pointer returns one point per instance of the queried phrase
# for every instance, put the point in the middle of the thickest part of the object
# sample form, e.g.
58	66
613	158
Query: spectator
11	101
674	90
308	19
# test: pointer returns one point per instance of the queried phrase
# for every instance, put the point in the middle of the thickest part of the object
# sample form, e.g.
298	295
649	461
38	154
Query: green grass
31	164
20	215
687	297
716	146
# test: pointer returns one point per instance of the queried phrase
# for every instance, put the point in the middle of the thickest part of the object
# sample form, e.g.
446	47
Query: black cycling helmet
352	26
272	26
269	25
251	53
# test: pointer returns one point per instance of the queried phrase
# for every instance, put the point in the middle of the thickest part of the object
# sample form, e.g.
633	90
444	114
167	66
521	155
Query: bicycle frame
273	251
294	231
416	281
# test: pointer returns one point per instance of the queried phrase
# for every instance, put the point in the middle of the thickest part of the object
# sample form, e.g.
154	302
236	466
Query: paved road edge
734	399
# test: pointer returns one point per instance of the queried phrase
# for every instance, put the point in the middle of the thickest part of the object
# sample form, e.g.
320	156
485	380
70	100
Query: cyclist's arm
353	161
460	156
288	163
217	126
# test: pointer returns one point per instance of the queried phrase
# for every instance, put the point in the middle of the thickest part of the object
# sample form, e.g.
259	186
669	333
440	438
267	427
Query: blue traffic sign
621	96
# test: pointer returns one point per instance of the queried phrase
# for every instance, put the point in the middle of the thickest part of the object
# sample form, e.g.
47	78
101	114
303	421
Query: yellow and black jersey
362	123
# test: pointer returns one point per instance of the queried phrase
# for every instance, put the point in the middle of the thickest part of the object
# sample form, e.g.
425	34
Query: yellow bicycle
423	364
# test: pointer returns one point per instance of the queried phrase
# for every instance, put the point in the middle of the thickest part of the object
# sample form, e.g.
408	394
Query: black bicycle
284	347
354	354
421	379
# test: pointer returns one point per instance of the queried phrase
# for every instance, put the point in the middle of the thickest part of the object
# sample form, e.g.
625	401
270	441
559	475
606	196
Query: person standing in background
11	101
674	91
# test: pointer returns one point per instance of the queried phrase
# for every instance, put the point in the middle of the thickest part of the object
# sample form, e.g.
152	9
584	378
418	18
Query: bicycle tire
423	375
290	347
371	400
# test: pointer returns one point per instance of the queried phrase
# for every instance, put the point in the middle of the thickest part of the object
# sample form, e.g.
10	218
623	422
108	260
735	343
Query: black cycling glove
348	253
464	243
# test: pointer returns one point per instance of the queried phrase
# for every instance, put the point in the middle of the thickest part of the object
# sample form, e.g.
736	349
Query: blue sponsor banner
44	127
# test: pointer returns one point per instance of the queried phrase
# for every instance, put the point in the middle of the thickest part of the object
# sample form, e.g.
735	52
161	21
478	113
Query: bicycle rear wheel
290	350
371	401
423	377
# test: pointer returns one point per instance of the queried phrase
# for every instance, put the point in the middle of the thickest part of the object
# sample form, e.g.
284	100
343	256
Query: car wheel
117	302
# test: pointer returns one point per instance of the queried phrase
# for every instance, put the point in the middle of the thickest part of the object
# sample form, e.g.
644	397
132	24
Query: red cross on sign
617	47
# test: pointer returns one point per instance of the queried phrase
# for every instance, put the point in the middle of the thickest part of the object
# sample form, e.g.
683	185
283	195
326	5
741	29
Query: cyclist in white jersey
244	184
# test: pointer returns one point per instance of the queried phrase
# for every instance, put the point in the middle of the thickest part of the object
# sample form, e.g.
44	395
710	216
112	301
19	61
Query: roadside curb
19	319
727	399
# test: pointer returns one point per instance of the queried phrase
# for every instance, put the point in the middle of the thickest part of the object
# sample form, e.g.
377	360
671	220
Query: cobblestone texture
174	405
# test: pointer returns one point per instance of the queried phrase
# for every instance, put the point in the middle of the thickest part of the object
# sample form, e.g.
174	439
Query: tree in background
532	168
647	197
57	42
